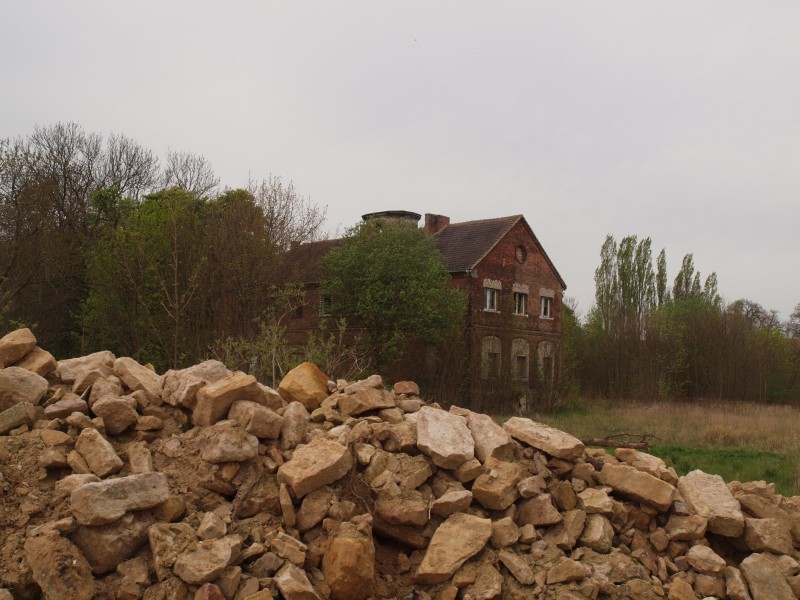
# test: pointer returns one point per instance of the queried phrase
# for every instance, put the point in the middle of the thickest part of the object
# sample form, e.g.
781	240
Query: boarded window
521	351
490	357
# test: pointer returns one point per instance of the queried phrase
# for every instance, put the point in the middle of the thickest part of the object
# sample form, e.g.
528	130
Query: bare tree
189	172
289	217
132	167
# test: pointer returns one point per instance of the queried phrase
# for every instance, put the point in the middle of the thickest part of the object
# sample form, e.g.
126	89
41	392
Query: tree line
645	338
103	245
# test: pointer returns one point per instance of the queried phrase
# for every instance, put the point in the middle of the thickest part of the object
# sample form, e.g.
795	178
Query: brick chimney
435	223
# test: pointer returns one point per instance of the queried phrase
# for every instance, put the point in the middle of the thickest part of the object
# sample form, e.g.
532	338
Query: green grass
737	440
735	464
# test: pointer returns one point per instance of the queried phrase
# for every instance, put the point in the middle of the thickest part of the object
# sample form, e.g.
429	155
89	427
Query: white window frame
489	299
546	307
521	304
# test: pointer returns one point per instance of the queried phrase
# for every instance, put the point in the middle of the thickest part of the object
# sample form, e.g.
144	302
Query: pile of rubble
202	483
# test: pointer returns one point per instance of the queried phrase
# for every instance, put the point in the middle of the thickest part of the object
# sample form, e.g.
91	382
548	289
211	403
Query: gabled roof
464	245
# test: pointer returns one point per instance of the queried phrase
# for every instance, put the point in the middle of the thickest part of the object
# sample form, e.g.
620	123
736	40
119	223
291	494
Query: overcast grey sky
676	120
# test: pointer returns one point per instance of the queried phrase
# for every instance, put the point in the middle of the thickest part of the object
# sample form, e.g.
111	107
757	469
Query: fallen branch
609	443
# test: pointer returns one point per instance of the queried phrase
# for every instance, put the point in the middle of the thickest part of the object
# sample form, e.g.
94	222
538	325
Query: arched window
490	357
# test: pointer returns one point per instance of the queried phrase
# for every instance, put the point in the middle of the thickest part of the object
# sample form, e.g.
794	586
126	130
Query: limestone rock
38	361
294	426
764	579
106	546
704	560
407	388
226	442
517	566
365	400
595	501
638	485
768	535
20	385
69	369
496	489
167	541
23	413
444	437
566	571
460	537
59	568
305	384
451	502
64	408
118	413
314	508
598	534
106	501
504	532
537	511
404	507
180	387
488	584
735	585
204	561
545	438
294	585
139	378
490	439
316	464
289	548
686	528
211	527
349	564
709	497
259	420
565	535
98	453
15	345
215	399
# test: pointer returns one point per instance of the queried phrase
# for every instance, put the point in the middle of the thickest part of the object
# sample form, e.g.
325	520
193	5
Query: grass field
738	440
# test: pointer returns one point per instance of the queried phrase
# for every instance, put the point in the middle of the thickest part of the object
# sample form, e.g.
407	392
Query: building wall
511	335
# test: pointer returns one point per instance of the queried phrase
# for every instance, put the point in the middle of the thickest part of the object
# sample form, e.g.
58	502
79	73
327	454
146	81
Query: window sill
546	318
526	315
491	310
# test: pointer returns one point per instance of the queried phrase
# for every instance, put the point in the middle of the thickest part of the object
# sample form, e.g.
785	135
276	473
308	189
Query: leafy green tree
390	280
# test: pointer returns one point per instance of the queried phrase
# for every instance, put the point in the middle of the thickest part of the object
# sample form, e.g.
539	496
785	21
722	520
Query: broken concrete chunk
545	438
460	537
106	501
316	464
444	437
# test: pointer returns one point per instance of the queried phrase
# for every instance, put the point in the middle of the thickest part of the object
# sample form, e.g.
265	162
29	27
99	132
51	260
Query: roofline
517	219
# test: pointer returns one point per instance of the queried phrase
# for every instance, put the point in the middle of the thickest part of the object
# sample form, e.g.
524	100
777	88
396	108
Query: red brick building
514	294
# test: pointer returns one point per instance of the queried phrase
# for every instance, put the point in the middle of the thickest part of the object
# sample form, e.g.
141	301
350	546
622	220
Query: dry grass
709	424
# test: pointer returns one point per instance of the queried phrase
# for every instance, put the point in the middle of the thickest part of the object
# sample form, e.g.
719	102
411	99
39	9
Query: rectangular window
298	312
520	303
489	299
546	307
